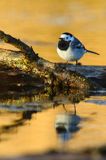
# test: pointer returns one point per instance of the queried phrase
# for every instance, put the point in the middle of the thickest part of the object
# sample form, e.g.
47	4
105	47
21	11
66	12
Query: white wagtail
70	48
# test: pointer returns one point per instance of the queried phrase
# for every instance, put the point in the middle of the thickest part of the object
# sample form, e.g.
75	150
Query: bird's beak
60	38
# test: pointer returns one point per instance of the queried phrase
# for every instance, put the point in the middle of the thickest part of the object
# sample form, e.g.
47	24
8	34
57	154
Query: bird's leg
76	65
75	111
76	62
64	108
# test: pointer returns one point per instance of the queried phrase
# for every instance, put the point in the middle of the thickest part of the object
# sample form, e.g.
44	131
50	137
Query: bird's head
66	37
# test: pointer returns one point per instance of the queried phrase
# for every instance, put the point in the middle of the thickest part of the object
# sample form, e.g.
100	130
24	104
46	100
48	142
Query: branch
52	73
27	51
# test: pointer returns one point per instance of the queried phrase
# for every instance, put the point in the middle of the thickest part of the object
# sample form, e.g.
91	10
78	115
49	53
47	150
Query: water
35	123
33	126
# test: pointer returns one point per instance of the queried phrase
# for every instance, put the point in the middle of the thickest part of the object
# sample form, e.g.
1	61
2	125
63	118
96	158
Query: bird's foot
79	64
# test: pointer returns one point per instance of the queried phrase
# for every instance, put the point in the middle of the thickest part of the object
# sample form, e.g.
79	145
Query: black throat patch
63	45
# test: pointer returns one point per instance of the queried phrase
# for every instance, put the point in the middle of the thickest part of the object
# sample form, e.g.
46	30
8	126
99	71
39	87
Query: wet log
56	75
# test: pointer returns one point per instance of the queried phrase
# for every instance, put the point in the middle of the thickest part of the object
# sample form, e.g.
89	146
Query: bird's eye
67	38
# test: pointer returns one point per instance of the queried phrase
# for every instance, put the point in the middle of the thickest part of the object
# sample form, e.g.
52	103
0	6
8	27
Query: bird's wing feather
77	44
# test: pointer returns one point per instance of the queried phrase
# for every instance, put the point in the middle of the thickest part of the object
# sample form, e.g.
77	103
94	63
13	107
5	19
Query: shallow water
26	126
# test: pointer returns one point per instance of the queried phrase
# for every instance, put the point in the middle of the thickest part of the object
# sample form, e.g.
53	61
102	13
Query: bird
70	48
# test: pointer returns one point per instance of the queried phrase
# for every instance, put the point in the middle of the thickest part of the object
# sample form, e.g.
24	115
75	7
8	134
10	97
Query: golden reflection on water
38	135
40	23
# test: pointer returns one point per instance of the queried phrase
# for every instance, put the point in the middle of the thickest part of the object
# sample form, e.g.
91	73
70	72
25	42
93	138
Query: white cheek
69	38
72	39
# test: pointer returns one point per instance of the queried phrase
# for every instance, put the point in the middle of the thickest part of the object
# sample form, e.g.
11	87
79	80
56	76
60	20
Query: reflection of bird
66	125
70	48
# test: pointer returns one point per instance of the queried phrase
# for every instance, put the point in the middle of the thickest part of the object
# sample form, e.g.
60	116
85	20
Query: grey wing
76	44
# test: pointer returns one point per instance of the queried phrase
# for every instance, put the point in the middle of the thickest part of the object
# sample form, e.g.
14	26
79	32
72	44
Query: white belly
69	55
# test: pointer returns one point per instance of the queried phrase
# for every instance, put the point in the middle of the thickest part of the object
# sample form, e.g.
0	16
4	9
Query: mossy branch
54	74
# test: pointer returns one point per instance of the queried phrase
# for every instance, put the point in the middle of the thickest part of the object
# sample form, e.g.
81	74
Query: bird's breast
69	54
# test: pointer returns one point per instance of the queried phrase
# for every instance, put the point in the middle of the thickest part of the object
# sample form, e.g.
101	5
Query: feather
92	52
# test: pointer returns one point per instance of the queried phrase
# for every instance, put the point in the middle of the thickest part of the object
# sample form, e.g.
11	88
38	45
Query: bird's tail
92	52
